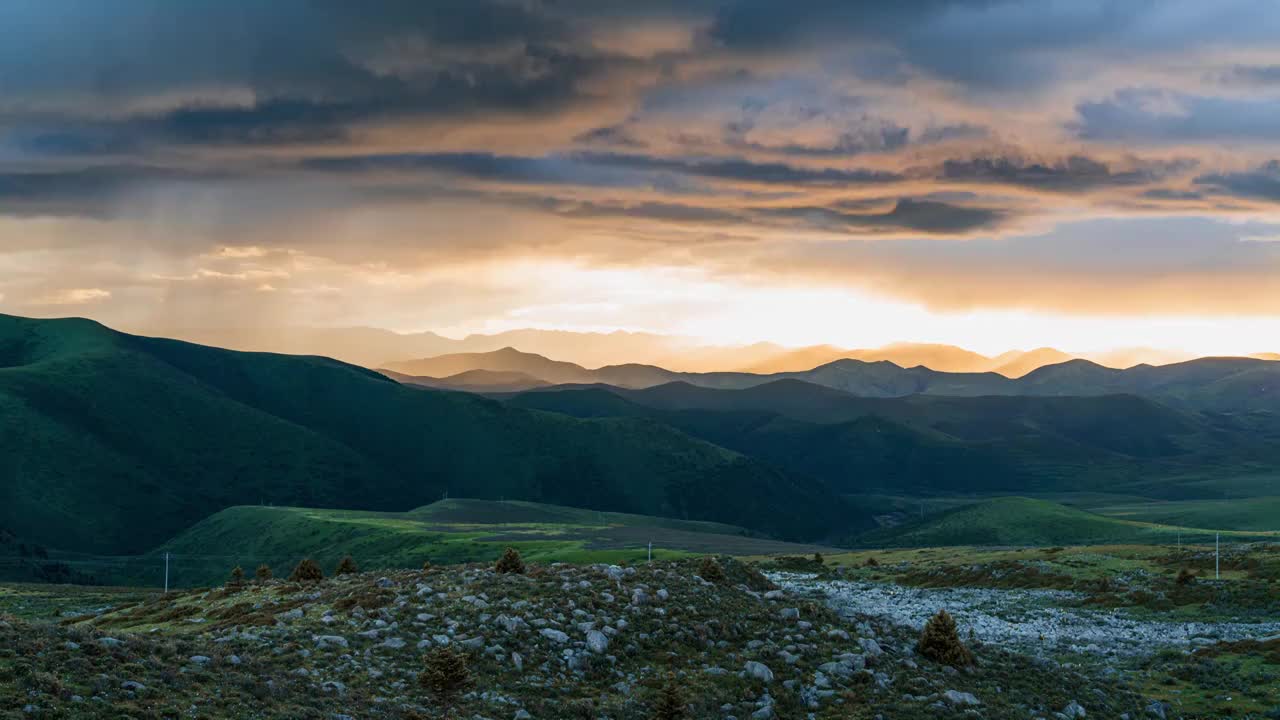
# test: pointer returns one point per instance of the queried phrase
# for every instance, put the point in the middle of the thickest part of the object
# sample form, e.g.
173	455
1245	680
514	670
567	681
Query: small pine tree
671	703
346	567
510	562
711	570
818	559
940	642
237	577
446	677
263	573
307	571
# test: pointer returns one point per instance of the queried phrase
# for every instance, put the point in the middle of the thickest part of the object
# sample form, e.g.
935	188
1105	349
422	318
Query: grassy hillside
115	442
445	532
928	444
1019	521
1259	513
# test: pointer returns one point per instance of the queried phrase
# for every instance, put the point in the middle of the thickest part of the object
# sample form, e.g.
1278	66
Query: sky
994	174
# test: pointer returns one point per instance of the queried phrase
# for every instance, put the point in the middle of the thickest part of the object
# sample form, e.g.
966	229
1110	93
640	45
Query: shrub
307	571
940	642
446	676
237	577
346	567
711	570
263	573
426	565
1185	577
818	559
872	562
671	704
510	562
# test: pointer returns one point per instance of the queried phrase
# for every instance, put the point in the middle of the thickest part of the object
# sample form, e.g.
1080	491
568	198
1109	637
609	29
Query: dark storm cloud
922	216
1261	183
90	192
745	171
1076	173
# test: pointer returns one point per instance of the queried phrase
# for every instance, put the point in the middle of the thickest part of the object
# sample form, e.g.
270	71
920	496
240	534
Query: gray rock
132	685
555	635
329	641
597	642
758	671
199	659
1073	710
790	613
955	697
393	643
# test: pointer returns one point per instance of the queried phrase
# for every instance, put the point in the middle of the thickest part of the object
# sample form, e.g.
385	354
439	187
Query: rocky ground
1045	623
560	641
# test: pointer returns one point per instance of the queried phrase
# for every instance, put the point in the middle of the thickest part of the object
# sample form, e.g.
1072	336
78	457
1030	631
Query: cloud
73	296
1073	174
1261	183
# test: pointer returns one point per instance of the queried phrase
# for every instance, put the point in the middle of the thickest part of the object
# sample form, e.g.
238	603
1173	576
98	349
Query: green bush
941	643
510	562
307	571
346	567
446	676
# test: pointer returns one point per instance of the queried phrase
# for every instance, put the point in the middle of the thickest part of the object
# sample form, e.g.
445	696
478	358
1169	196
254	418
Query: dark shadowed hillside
113	442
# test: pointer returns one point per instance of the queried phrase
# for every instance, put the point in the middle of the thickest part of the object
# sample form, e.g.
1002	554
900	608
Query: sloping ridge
114	442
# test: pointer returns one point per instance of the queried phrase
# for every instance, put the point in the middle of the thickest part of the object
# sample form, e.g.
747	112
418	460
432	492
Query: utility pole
1216	538
650	551
166	573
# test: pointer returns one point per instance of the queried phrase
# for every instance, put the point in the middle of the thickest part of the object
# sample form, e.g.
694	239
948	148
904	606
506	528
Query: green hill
445	532
113	443
1019	521
927	444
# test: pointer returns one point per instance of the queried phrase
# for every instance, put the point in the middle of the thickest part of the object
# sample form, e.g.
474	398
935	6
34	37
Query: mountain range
112	443
371	347
1204	383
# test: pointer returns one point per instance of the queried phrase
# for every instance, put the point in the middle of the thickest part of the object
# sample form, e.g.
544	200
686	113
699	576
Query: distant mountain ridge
372	347
1206	383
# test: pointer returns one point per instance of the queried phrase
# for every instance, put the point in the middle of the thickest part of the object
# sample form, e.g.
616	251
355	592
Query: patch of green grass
1259	513
1018	521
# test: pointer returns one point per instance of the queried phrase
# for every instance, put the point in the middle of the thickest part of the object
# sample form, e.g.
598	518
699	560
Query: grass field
443	533
1019	521
1260	514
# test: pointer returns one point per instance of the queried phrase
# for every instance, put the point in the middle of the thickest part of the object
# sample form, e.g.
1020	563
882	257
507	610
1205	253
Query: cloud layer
397	162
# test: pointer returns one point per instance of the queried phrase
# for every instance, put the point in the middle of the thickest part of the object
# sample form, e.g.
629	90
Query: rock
110	642
333	686
383	582
597	642
199	659
518	660
555	635
758	671
870	647
663	594
393	643
287	616
132	686
474	643
234	659
1157	709
71	645
955	697
522	714
329	641
1073	711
